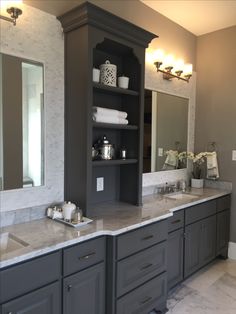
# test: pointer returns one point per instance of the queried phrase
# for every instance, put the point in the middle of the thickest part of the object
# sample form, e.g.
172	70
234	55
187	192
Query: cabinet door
208	240
42	301
223	219
175	258
84	292
192	248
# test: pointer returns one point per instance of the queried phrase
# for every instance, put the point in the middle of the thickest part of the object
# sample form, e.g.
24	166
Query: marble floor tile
210	291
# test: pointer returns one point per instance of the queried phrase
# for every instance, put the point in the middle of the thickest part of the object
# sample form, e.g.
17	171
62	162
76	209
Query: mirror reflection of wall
21	117
165	131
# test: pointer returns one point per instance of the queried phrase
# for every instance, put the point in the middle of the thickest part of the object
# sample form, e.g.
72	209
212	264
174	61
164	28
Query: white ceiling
199	16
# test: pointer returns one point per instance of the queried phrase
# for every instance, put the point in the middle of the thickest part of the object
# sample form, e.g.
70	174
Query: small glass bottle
78	216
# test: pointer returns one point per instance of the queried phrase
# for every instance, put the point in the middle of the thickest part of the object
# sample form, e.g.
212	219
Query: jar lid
104	140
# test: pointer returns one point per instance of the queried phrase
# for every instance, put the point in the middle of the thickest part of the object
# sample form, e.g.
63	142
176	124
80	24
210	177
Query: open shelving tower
93	36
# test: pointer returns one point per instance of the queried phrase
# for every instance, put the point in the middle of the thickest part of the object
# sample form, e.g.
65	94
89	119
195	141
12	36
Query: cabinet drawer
83	255
141	267
142	300
141	238
176	221
223	203
18	280
200	211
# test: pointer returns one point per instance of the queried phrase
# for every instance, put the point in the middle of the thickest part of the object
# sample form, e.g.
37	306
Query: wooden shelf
114	162
117	90
114	126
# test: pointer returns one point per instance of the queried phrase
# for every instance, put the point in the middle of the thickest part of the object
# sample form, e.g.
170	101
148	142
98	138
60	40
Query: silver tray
80	224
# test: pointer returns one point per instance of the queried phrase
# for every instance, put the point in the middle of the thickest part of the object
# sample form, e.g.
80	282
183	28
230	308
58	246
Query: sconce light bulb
188	69
179	65
158	55
168	61
149	56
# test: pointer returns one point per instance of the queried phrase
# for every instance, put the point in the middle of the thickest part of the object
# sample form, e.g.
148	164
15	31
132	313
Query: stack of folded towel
212	166
104	115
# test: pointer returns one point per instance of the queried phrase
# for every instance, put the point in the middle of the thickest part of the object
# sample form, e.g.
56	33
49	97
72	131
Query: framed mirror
165	131
21	123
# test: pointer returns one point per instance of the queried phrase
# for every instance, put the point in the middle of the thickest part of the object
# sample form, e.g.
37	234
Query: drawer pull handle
86	256
146	266
146	300
148	237
176	221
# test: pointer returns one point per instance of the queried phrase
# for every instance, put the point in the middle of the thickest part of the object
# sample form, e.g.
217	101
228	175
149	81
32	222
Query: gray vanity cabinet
200	244
223	221
175	249
84	292
84	277
175	258
42	301
32	287
223	225
136	270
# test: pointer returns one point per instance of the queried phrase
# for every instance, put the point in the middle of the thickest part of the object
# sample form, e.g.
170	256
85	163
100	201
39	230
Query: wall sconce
169	67
12	8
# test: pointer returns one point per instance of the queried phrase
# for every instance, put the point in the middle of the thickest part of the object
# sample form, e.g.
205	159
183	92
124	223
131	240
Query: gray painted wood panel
175	252
141	267
23	278
141	238
42	301
84	292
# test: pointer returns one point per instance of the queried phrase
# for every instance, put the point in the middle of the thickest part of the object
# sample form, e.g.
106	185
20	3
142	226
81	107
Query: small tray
80	224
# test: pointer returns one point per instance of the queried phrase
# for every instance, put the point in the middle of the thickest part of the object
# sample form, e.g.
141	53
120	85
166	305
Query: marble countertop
45	235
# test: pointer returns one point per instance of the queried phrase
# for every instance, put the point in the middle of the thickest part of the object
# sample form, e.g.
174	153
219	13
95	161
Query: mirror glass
165	131
21	123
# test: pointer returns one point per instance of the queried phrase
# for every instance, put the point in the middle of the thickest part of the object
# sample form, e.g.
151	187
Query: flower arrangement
198	160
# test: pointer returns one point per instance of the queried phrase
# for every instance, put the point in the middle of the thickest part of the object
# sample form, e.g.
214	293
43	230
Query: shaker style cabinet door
208	240
42	301
84	292
175	249
192	248
223	220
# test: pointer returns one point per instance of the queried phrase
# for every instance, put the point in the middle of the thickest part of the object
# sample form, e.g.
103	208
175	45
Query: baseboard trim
232	250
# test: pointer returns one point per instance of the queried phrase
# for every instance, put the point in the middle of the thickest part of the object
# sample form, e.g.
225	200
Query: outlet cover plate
100	184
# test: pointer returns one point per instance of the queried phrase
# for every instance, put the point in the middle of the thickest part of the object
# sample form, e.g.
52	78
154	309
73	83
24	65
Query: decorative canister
68	209
108	73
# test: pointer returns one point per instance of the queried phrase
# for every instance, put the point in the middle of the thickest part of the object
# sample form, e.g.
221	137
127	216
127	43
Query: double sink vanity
124	262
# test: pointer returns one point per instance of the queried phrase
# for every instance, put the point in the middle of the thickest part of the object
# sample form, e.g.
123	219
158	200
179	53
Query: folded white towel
171	161
212	166
110	112
109	119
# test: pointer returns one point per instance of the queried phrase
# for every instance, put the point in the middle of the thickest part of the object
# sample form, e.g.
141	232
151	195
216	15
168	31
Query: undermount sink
182	196
9	243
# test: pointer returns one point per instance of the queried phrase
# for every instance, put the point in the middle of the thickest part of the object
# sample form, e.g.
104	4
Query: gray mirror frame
154	81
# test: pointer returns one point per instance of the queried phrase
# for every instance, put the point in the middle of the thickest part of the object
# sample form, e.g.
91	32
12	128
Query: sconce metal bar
14	12
168	75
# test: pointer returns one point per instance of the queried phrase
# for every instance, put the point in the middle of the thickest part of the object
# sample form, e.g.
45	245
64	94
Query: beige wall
173	38
216	103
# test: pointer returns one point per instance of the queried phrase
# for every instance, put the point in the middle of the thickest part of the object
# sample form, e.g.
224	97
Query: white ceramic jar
123	82
68	208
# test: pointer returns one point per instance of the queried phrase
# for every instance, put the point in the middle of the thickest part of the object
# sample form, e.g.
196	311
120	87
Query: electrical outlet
234	155
160	152
100	184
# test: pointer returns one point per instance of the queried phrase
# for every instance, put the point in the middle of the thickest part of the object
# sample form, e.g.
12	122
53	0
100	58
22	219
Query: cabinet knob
69	287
